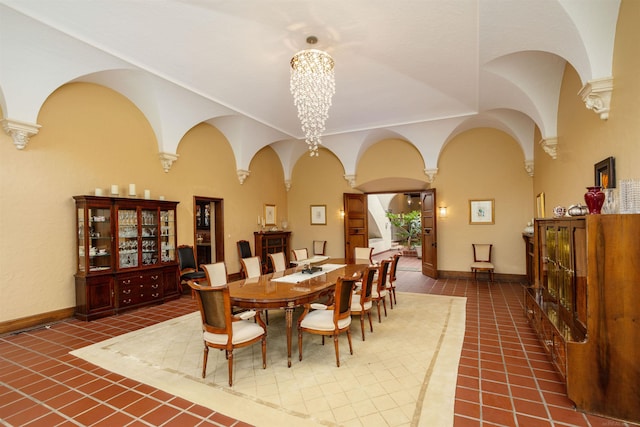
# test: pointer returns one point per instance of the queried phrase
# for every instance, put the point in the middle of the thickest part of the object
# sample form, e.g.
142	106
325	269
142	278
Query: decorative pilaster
549	146
167	159
596	95
351	179
242	175
287	184
431	174
20	131
528	166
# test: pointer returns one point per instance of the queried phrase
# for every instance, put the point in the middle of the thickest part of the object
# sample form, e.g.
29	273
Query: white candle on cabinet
132	189
147	194
114	189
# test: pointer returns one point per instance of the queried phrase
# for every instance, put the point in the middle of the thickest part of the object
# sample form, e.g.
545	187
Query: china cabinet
126	254
269	242
585	308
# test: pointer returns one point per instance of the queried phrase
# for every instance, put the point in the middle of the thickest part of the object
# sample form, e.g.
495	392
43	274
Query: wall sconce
342	213
443	211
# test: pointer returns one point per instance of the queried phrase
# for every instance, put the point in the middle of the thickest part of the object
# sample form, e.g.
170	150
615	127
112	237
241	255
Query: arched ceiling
423	70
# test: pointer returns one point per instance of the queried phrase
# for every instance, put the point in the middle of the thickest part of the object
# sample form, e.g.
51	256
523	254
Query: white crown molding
351	179
287	184
167	159
243	175
20	131
549	145
596	95
431	174
528	166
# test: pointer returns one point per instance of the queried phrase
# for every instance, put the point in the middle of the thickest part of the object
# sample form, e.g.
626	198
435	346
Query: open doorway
383	234
208	219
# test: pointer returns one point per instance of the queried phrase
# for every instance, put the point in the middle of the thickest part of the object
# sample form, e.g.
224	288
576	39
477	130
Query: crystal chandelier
312	86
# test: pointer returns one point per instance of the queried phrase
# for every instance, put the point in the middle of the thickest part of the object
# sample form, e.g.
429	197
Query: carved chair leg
335	344
204	360
230	357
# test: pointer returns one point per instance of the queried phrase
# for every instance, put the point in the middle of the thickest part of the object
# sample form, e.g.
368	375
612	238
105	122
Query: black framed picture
605	173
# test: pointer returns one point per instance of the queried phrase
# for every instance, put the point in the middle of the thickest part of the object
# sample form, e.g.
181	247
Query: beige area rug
404	374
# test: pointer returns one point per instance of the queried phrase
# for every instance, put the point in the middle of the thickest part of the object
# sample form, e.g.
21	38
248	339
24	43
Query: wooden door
356	233
429	235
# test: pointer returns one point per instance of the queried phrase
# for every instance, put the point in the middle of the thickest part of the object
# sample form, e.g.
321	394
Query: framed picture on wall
318	214
605	173
269	214
481	211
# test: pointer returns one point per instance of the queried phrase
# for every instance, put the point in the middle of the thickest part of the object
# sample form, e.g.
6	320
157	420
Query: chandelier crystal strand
312	87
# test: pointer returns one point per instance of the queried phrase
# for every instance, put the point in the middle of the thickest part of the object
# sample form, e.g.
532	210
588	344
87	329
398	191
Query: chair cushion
193	275
244	330
482	265
355	304
322	320
374	294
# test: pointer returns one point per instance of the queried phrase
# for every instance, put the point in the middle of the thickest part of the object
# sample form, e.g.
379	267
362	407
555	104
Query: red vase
594	198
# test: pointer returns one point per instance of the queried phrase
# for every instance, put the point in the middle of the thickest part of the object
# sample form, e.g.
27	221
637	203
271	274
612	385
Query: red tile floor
504	379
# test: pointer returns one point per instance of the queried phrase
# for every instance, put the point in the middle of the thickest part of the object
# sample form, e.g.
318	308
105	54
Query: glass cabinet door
168	235
127	238
99	220
149	236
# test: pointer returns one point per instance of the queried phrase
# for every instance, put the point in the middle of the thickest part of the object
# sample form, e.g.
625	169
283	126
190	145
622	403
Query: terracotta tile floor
504	379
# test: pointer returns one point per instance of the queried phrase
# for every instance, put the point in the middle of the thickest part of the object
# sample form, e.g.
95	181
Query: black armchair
187	264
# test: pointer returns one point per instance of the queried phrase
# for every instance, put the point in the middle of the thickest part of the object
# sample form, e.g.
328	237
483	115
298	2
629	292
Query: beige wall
93	137
483	164
583	138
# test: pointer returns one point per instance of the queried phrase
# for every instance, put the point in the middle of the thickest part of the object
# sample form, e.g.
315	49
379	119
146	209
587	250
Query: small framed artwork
481	211
269	214
318	214
605	173
540	205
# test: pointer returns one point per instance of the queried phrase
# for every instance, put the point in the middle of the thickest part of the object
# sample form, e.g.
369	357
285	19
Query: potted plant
408	225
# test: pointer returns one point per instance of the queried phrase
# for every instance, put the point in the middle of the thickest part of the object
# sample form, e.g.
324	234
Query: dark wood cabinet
126	254
529	253
585	308
269	242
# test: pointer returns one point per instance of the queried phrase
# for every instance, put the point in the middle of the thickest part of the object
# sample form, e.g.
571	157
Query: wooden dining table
270	292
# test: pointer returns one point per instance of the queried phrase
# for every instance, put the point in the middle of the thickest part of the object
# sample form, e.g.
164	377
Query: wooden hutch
585	308
126	254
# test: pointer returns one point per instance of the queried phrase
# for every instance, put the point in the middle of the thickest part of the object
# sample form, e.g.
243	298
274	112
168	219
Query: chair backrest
215	308
319	247
252	267
278	261
299	254
216	273
244	249
382	275
342	301
394	267
363	255
367	284
186	258
481	252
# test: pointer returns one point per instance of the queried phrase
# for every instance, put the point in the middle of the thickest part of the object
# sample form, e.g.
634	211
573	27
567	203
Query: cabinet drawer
139	288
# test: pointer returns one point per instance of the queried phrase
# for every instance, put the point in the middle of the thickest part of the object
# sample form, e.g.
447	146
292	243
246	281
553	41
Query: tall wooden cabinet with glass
126	254
585	308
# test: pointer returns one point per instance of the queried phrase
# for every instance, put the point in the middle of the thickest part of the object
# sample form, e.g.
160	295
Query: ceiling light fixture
312	86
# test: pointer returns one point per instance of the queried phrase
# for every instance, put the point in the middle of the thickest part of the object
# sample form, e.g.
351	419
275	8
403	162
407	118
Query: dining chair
482	260
319	247
216	273
361	303
251	267
380	291
391	280
300	254
187	266
329	320
223	330
363	255
278	261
